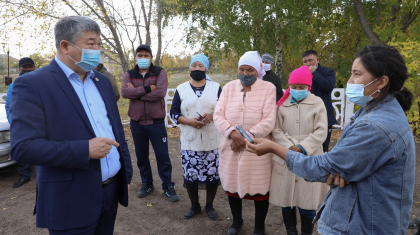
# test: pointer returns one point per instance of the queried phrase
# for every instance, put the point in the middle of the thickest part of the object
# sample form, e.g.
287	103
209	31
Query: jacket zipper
144	102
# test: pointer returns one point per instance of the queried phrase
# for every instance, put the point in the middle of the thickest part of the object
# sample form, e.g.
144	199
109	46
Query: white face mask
267	67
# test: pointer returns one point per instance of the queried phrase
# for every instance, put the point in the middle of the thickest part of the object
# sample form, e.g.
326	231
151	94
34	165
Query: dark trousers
24	170
305	213
326	144
157	135
106	221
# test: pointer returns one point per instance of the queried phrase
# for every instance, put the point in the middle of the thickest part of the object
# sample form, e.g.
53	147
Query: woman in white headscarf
250	103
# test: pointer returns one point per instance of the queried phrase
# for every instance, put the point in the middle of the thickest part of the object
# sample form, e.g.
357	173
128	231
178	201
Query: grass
175	79
3	88
178	78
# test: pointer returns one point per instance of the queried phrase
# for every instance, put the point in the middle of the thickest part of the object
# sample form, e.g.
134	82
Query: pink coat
244	172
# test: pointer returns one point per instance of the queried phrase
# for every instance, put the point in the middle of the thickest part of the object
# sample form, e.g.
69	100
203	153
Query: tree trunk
146	21
159	29
279	47
358	6
115	35
279	57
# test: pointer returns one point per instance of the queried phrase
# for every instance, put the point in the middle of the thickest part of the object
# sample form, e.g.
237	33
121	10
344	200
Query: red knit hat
301	75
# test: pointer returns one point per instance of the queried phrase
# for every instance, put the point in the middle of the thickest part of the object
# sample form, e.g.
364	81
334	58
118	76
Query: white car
5	158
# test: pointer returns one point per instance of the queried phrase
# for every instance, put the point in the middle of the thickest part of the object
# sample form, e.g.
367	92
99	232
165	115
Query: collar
370	108
68	71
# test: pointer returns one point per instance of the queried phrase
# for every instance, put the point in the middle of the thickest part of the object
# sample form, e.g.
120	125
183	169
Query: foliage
124	24
175	62
411	54
41	60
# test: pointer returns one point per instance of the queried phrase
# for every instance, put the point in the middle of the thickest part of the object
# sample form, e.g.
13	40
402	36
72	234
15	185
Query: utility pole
8	79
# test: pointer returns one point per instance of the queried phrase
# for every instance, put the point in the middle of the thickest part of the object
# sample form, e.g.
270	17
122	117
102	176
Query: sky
26	44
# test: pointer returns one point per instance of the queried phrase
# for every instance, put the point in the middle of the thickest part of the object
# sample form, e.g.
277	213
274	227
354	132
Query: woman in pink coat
250	103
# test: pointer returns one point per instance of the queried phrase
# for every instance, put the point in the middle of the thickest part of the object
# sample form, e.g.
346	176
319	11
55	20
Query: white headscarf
253	59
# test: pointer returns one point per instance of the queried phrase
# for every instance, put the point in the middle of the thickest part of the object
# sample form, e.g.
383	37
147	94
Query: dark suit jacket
323	83
50	129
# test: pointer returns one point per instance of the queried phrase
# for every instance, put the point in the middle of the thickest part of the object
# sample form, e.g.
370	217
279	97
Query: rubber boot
289	218
307	225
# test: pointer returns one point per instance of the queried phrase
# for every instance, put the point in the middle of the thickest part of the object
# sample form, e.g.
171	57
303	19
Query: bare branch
136	22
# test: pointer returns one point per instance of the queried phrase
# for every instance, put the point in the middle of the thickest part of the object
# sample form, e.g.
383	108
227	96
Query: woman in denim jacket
375	155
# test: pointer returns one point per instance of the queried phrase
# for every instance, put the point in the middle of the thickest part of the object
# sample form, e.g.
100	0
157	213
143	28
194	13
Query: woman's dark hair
381	60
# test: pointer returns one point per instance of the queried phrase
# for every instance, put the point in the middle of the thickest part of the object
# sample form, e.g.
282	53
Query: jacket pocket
278	160
189	136
278	167
59	177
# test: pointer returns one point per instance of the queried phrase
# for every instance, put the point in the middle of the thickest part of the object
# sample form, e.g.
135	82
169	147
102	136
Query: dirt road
151	215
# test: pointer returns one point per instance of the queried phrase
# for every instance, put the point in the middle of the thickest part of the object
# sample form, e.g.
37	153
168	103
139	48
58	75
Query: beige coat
304	124
244	172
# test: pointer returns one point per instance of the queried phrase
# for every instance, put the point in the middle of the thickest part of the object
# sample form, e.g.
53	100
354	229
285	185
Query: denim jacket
376	154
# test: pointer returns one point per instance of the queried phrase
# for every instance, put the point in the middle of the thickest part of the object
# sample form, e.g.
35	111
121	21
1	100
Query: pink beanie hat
301	75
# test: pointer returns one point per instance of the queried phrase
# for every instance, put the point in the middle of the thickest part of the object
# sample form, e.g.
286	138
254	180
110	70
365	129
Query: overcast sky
172	39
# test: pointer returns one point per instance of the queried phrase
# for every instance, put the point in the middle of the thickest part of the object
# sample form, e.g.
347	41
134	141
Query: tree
392	19
122	23
273	26
41	60
3	63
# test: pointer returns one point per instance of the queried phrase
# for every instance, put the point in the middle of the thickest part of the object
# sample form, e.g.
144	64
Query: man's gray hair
70	28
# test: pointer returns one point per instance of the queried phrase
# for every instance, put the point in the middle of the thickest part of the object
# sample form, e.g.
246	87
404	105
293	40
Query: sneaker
145	190
171	194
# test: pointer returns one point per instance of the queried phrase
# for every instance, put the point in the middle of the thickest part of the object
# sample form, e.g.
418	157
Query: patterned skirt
200	167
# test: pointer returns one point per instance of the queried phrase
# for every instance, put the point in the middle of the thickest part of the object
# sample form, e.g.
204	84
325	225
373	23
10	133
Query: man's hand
338	181
296	148
207	117
153	87
238	139
99	147
312	68
194	122
130	85
234	147
260	147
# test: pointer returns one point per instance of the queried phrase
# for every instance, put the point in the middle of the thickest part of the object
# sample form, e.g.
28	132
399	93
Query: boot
307	225
289	218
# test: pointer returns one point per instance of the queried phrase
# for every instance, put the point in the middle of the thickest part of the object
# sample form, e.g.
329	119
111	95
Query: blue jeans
157	135
302	212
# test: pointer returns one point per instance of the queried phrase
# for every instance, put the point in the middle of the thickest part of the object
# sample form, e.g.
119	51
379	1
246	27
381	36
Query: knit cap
300	75
200	58
268	58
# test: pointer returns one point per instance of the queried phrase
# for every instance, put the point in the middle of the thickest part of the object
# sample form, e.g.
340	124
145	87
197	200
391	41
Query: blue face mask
355	93
143	63
90	59
299	94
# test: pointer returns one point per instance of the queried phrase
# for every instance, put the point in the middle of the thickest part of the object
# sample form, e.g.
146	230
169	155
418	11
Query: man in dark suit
323	83
66	122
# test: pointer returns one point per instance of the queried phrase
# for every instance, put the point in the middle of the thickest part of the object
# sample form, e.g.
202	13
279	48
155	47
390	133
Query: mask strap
371	82
75	46
72	59
375	92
